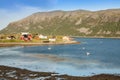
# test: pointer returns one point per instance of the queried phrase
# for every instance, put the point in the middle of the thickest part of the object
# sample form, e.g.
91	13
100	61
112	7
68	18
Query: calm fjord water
92	56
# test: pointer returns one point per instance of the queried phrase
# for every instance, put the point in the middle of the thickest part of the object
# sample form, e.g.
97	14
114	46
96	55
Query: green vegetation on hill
104	23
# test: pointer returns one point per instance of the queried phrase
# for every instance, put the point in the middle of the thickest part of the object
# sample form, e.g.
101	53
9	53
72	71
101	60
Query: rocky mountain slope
104	23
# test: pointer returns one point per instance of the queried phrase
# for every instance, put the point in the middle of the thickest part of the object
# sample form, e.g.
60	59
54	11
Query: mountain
104	23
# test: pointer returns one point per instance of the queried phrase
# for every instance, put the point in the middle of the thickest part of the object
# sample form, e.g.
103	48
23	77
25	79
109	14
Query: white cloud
7	16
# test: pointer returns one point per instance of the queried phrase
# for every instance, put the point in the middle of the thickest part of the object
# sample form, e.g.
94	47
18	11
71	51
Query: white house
66	38
42	36
52	39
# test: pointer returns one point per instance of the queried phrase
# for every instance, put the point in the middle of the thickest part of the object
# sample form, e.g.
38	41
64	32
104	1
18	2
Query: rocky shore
12	73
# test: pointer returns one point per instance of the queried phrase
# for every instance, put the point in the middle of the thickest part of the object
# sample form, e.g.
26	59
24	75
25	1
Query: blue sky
12	10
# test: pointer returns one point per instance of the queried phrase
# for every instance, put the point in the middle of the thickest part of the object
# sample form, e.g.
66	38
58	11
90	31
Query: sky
13	10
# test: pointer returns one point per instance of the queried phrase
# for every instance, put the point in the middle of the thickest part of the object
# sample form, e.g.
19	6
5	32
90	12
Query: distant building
52	39
26	36
66	38
42	36
25	33
10	37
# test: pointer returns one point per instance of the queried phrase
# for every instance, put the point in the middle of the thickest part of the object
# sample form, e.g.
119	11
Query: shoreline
95	37
10	44
12	73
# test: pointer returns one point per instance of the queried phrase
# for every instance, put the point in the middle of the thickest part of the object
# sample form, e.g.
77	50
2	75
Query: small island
29	39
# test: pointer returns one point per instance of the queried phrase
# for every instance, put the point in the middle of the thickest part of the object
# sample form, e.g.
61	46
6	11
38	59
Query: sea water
92	56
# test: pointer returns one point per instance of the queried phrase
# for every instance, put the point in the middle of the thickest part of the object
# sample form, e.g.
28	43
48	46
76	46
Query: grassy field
35	39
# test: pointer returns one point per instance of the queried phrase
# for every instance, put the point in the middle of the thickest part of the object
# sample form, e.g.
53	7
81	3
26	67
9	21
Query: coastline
95	37
12	44
9	44
12	73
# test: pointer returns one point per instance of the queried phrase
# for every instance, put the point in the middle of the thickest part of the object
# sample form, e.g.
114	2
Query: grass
34	40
